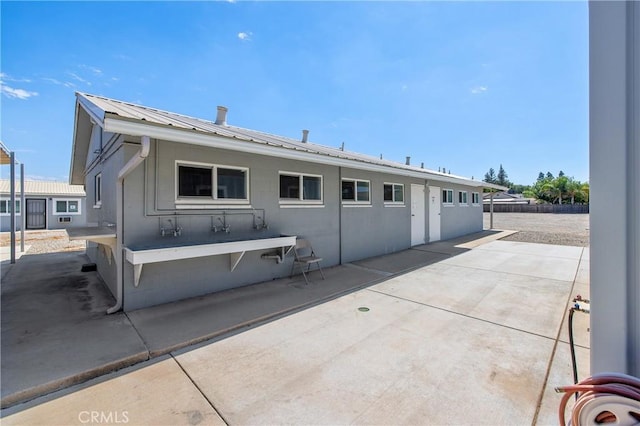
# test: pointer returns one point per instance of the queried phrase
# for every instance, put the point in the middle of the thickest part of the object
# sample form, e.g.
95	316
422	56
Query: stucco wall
51	217
457	219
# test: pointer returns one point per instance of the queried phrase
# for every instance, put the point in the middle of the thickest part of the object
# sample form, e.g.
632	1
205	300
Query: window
447	196
300	188
66	206
5	207
475	198
356	191
196	183
97	189
462	198
393	193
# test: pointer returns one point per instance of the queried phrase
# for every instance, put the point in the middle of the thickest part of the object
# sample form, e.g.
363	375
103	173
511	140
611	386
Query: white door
434	213
417	215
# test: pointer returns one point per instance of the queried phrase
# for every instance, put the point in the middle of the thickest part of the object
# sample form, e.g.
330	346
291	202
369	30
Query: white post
12	204
23	215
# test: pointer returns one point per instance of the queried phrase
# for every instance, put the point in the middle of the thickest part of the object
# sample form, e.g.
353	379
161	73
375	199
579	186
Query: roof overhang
5	154
116	124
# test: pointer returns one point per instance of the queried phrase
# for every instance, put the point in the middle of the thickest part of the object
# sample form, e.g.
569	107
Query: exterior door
36	213
434	213
417	215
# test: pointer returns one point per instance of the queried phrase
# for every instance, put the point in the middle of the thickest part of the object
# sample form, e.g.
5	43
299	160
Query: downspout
134	162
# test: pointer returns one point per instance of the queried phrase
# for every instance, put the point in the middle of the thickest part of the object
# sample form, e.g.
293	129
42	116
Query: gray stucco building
184	207
48	205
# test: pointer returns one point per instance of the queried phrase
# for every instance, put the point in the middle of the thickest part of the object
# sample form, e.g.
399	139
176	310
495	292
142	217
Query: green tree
502	177
490	176
540	176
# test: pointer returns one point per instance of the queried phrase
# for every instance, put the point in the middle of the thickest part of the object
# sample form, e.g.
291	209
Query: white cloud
58	82
245	36
80	79
6	77
10	92
479	89
94	70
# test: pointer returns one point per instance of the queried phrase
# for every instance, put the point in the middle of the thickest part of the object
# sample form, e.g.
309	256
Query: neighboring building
503	197
49	205
187	206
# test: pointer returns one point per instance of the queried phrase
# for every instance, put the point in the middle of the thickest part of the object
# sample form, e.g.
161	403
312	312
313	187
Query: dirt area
546	228
43	241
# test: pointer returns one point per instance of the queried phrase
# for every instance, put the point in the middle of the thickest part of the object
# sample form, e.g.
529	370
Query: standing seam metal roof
127	110
43	187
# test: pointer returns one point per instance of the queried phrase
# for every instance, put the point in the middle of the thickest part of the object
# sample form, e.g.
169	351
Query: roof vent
408	162
221	119
305	136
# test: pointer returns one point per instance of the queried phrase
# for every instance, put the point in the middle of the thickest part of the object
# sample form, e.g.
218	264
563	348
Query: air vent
64	219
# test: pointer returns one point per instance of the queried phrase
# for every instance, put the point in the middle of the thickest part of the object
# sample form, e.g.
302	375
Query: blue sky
460	85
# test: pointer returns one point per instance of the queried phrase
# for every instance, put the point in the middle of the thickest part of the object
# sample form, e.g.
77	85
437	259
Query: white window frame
54	207
301	202
393	202
213	200
444	199
355	201
475	198
463	198
97	190
7	201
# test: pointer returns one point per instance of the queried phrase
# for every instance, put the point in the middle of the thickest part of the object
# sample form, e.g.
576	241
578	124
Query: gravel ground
44	241
546	228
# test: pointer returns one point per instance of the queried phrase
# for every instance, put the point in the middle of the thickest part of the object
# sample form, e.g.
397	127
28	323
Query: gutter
134	162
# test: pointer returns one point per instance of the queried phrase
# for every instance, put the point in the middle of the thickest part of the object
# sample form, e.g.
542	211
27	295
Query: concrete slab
561	374
531	304
536	265
55	332
158	394
5	252
568	252
168	327
401	362
402	261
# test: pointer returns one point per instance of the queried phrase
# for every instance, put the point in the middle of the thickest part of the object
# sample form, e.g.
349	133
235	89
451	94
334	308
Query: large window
300	188
462	198
196	183
393	193
475	198
61	206
356	191
447	196
5	207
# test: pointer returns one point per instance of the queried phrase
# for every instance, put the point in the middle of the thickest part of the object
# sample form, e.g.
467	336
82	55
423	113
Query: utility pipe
134	162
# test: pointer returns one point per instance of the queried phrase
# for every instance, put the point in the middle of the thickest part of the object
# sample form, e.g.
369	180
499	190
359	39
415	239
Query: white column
614	148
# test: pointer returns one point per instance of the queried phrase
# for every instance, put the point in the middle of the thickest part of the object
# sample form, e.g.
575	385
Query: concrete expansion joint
204	395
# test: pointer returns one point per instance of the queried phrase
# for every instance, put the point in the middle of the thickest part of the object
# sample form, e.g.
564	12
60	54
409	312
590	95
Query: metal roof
102	109
43	187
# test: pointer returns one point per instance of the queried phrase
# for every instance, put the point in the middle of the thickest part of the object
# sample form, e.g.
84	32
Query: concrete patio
477	336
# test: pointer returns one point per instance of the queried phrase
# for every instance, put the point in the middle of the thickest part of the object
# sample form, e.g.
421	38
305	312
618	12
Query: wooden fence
538	208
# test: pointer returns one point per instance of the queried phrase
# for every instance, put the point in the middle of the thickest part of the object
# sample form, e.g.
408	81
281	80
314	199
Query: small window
393	193
5	207
292	183
475	198
462	198
196	183
447	196
97	188
66	206
356	191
